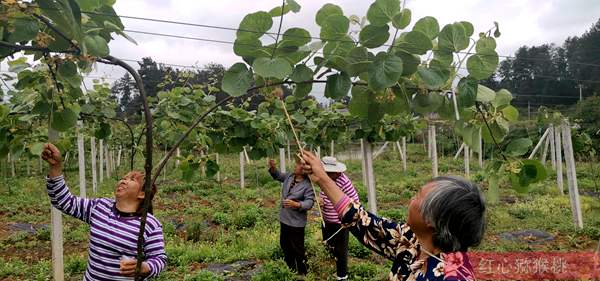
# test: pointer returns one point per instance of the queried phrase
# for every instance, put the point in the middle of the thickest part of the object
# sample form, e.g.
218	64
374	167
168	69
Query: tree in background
550	75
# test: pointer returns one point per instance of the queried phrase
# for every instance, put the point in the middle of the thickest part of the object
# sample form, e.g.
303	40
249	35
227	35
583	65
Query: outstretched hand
51	154
272	164
313	166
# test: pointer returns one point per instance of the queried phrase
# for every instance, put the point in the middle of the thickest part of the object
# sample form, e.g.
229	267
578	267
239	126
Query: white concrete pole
571	175
558	148
242	177
101	160
371	193
81	158
93	164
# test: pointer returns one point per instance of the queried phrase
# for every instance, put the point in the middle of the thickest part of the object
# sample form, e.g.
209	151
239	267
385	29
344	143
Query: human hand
313	167
272	164
51	154
288	203
128	267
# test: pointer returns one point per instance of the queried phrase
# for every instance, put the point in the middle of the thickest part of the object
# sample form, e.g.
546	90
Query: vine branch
477	105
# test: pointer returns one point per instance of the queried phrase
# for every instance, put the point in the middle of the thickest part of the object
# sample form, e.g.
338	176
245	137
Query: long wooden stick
289	120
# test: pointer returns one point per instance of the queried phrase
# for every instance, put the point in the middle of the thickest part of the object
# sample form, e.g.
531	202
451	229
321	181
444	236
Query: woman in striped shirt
337	241
114	224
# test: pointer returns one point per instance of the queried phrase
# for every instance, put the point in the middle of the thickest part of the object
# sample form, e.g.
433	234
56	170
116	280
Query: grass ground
217	227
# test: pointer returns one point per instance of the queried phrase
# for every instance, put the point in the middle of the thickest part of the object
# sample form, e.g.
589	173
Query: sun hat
331	165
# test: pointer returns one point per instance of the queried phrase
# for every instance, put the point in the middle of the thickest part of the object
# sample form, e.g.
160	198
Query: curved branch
148	163
18	48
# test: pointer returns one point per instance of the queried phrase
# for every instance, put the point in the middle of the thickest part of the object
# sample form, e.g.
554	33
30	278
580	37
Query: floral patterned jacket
397	242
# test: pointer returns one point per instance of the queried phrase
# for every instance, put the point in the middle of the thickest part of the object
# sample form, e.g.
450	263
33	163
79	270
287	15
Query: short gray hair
456	209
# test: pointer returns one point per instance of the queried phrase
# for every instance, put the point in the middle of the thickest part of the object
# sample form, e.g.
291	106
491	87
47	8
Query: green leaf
498	132
453	38
18	65
361	105
510	113
372	36
95	45
467	92
335	27
237	79
326	11
469	30
36	149
337	86
532	171
433	76
414	42
382	12
483	64
103	131
385	71
276	12
64	120
485	44
302	90
299	118
68	72
294	37
278	68
189	170
445	57
429	26
485	94
89	5
301	73
427	102
294	6
410	62
212	168
254	26
493	191
503	98
358	60
25	30
402	19
247	47
3	112
518	147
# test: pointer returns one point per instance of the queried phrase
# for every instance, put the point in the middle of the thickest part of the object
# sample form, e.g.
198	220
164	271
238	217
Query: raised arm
58	191
276	174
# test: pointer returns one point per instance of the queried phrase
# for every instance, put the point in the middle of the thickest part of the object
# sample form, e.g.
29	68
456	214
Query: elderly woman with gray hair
445	218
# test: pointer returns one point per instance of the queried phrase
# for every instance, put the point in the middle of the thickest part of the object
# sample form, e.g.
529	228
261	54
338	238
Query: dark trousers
291	240
338	246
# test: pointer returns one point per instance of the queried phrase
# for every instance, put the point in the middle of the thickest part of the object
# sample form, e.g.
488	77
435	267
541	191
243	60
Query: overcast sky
522	22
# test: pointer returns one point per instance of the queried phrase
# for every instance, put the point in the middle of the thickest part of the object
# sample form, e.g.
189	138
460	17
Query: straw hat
332	165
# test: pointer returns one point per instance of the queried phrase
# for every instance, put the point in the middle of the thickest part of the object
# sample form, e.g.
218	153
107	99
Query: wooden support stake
571	175
93	164
558	148
219	171
81	158
545	151
178	154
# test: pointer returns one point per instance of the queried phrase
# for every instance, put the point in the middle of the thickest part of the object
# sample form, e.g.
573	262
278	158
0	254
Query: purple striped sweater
111	236
329	213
